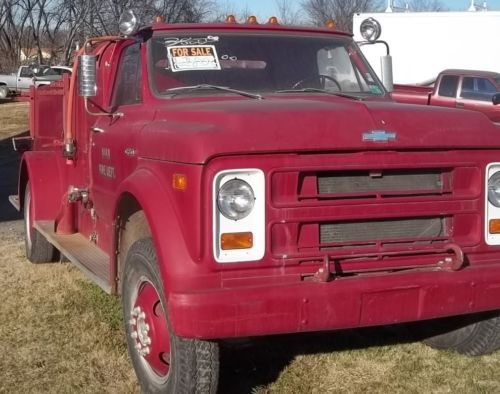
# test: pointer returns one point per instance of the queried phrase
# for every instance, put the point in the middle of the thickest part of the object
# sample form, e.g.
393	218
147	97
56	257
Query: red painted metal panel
343	303
45	173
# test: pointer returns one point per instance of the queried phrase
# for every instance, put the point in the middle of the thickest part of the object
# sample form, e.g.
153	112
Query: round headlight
494	189
236	199
128	24
370	29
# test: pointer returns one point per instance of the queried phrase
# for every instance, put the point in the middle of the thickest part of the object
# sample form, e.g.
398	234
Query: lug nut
142	315
138	346
132	321
134	335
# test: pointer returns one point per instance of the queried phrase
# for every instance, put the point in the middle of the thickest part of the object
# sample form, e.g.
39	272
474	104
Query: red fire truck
235	180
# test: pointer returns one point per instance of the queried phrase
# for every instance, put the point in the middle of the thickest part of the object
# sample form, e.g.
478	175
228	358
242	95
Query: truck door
447	91
113	152
476	94
24	78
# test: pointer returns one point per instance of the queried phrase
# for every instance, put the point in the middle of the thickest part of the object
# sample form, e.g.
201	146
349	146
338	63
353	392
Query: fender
179	270
42	169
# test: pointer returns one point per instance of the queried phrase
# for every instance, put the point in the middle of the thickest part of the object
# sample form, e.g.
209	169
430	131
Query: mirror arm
102	113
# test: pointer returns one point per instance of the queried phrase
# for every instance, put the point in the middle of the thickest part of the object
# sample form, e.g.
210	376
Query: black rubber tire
473	335
4	92
194	364
38	249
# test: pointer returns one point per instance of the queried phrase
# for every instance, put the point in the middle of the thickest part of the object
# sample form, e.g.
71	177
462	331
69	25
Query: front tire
38	249
163	362
473	335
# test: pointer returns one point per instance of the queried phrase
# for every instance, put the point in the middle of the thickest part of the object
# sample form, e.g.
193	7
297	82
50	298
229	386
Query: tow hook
323	274
453	263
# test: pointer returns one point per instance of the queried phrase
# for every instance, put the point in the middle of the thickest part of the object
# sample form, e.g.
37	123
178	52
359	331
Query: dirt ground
61	334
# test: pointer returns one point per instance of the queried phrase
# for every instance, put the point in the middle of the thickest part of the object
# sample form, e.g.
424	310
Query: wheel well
132	225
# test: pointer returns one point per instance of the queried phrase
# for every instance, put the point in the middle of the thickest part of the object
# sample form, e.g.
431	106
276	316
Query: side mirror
87	85
495	99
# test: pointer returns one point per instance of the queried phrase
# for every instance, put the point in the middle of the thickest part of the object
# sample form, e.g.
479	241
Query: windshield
259	63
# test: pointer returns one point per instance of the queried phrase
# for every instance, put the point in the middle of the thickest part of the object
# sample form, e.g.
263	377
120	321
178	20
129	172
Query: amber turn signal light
494	226
179	181
231	241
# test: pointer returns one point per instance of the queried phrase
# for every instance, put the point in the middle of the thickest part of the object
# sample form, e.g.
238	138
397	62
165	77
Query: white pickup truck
27	76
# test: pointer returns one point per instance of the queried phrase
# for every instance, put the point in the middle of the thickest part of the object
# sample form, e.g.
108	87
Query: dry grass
13	119
61	334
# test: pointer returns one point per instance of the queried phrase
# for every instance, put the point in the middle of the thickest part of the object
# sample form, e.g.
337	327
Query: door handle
459	105
97	130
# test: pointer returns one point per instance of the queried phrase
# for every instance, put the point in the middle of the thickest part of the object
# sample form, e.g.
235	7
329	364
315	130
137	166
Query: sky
265	8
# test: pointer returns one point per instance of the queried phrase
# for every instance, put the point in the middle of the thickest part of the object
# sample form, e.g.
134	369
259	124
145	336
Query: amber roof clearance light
273	21
252	20
330	24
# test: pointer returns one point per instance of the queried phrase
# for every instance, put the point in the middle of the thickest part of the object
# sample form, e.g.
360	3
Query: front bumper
252	310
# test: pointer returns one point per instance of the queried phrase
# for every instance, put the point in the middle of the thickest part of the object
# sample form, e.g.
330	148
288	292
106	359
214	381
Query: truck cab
465	89
234	180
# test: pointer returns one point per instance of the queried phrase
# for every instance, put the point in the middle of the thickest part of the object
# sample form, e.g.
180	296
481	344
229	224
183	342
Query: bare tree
341	11
58	25
14	31
287	14
426	5
221	12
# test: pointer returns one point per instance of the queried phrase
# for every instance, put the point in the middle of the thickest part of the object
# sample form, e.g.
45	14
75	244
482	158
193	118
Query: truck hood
194	131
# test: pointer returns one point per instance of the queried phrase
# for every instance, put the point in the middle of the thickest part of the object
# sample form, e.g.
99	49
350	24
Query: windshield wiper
318	90
187	89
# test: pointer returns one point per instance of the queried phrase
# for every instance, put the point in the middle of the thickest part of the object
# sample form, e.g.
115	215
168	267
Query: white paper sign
193	58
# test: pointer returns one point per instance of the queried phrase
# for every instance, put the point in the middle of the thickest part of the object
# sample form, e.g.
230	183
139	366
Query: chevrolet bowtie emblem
379	136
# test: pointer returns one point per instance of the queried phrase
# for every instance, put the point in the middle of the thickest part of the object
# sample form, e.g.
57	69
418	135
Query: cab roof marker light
159	19
273	21
330	24
252	20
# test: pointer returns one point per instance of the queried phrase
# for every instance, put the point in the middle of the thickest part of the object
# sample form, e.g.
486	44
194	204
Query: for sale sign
193	58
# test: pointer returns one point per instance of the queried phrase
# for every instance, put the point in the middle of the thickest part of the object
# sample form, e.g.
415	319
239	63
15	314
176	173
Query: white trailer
424	43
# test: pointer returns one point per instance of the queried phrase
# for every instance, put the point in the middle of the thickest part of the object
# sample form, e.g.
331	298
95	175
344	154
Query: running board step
14	200
91	260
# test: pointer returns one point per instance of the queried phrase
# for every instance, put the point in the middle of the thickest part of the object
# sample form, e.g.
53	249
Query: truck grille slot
386	230
381	182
